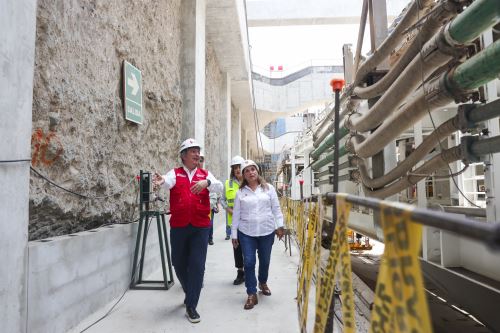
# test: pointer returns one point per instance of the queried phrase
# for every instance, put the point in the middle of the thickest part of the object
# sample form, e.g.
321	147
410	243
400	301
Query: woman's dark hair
262	182
231	175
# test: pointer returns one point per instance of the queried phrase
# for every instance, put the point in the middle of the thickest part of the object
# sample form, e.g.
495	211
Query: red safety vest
188	208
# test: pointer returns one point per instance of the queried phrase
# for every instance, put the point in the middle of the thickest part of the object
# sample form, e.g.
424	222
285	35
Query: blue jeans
249	245
189	253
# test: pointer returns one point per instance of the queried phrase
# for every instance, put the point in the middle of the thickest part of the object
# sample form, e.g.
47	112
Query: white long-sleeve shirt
215	185
256	213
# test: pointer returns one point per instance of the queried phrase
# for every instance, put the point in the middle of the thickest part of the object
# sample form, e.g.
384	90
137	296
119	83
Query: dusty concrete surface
221	303
214	138
81	139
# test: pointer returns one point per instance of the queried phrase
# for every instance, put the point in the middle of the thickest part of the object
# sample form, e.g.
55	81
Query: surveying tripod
145	219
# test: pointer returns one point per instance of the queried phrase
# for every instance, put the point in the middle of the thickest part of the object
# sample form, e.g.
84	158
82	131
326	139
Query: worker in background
190	221
214	203
256	218
231	186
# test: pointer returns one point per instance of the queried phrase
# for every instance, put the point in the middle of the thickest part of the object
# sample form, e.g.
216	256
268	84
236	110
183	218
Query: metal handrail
485	232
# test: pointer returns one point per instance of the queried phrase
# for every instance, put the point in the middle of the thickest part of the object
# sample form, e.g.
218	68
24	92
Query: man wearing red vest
189	221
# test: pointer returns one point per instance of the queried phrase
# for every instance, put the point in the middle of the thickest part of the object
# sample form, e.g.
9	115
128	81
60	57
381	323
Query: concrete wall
72	276
80	137
17	28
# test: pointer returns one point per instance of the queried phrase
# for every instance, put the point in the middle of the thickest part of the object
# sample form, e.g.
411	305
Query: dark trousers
238	257
189	253
249	245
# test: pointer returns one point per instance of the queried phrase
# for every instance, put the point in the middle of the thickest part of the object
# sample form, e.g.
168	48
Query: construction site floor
221	302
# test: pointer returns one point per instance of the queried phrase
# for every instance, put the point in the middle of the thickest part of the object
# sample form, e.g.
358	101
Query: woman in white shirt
256	218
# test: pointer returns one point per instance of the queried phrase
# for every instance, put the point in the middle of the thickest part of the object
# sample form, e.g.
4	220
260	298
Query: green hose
479	16
328	142
328	159
478	70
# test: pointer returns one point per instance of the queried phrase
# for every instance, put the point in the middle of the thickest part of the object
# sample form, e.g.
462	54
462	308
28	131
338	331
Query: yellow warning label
400	304
339	254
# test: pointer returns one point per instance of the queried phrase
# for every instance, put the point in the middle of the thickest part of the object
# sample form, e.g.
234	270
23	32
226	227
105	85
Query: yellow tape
400	304
339	253
309	263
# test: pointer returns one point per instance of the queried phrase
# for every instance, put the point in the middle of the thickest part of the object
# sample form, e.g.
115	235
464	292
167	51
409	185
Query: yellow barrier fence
400	305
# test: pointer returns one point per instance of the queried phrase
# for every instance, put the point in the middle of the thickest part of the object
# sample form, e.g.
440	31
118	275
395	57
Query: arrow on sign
133	83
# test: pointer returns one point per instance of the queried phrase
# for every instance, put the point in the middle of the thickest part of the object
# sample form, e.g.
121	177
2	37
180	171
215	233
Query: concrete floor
221	303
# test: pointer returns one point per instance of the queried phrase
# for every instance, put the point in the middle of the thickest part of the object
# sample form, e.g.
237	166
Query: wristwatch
208	182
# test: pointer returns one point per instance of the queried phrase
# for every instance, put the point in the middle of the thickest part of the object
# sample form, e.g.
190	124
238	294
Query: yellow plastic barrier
339	259
309	261
400	304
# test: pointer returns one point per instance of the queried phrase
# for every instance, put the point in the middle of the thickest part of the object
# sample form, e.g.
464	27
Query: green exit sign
132	86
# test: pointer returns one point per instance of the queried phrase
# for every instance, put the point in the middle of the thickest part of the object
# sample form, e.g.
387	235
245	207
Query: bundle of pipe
468	117
442	48
382	52
432	22
475	72
468	148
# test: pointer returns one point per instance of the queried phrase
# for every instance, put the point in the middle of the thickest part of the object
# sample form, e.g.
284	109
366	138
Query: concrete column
193	15
236	133
378	27
226	124
244	144
17	54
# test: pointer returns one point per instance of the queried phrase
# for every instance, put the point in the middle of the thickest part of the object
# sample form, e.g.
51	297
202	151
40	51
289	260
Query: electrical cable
79	194
15	161
440	176
432	119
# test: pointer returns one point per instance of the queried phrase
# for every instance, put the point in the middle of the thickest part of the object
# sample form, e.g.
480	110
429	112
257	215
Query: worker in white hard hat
189	221
231	187
257	218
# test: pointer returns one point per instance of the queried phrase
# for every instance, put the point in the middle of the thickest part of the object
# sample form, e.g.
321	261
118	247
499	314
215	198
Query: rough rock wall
215	140
81	139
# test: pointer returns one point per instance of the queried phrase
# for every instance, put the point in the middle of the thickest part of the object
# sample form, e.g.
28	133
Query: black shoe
227	238
192	315
211	242
240	278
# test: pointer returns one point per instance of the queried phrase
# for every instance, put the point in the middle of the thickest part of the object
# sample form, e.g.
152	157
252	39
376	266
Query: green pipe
479	16
476	71
328	142
328	159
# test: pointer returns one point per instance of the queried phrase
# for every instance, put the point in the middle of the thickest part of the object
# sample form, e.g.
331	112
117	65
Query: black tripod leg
167	248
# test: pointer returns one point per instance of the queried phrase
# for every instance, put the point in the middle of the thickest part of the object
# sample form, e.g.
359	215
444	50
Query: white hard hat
201	154
247	163
237	160
188	144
